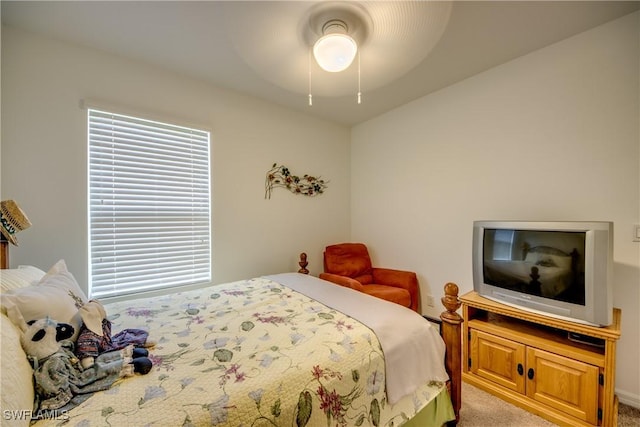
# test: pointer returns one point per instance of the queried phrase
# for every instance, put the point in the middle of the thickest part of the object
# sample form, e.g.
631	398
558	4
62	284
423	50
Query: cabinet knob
530	373
520	369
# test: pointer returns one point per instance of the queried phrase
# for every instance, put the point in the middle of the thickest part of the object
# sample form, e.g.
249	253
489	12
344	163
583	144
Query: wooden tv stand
527	359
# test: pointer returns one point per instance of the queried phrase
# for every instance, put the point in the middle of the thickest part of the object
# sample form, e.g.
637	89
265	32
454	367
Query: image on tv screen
549	264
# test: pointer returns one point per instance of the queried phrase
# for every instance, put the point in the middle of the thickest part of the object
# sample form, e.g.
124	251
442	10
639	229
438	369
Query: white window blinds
149	210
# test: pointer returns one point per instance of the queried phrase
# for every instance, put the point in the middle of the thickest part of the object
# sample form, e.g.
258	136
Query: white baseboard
628	398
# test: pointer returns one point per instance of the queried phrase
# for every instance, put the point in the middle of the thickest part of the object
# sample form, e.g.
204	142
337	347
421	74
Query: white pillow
532	257
16	376
56	295
24	275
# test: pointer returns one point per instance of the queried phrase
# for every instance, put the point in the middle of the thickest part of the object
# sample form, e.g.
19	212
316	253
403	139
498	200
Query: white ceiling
259	48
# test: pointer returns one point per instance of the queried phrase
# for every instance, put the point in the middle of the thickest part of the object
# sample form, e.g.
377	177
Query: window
503	244
149	207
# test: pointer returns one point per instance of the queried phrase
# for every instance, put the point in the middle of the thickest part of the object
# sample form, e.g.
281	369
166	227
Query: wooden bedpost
303	264
451	333
4	252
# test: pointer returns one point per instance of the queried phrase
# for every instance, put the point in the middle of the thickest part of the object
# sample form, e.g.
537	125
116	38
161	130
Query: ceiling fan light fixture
335	50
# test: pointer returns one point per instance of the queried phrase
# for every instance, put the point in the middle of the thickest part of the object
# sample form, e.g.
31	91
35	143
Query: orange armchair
349	264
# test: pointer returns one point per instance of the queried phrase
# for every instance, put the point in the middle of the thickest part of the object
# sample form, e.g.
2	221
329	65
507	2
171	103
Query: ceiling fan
388	39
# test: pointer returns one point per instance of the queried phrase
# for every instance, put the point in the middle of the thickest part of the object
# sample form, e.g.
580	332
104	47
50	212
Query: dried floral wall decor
280	176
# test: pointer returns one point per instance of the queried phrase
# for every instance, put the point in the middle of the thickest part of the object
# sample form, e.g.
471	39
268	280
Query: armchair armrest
399	279
342	281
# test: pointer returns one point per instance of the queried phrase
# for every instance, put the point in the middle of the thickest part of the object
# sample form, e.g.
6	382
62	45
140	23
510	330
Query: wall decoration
280	176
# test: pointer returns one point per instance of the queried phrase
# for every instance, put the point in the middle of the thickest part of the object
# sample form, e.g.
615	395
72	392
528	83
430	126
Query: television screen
549	264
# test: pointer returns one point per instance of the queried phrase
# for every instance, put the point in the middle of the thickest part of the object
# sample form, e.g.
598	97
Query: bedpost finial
451	289
303	264
450	299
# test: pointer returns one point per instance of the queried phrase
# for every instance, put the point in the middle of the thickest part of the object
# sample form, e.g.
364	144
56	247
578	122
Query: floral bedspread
249	353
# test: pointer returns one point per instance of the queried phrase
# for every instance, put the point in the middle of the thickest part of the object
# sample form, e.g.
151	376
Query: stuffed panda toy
60	380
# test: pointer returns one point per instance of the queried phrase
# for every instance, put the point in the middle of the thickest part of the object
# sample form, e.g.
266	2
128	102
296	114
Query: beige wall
44	158
553	135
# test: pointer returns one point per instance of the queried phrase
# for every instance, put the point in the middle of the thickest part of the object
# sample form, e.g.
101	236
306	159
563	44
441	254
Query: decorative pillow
24	275
57	295
16	381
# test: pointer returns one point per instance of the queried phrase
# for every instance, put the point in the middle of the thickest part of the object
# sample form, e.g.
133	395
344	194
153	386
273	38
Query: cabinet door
562	383
498	360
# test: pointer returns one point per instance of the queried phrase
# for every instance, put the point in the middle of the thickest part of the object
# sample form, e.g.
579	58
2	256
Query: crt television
560	269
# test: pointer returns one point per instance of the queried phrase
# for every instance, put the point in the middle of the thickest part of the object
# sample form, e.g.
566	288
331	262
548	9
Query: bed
282	350
544	270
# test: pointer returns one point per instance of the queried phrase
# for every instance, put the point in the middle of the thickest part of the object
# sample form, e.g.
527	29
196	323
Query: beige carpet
480	409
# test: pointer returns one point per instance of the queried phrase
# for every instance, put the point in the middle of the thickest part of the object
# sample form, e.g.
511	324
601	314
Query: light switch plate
636	233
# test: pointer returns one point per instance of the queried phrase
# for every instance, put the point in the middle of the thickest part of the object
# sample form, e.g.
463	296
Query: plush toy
95	335
60	380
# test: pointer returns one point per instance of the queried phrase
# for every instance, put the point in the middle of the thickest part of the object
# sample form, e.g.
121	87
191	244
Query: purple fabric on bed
90	344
